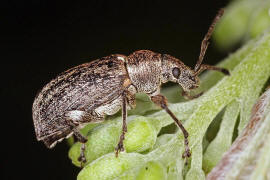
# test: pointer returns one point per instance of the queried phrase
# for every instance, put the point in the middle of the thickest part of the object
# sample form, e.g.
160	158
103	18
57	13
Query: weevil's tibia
161	101
120	145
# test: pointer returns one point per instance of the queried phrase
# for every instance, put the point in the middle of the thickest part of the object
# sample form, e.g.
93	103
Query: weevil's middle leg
120	145
162	102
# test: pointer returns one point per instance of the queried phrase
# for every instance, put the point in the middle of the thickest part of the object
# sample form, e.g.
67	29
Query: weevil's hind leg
82	140
162	102
120	146
74	119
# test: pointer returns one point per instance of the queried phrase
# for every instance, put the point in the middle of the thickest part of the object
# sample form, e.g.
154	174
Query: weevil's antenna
205	41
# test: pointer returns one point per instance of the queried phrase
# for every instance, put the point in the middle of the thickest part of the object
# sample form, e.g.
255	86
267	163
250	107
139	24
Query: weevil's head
176	71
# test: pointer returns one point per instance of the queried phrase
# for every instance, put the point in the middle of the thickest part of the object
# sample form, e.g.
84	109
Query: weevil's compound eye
176	72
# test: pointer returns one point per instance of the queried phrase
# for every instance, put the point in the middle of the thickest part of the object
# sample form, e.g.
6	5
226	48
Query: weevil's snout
188	80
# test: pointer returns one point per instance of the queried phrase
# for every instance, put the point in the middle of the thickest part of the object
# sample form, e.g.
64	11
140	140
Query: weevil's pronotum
86	93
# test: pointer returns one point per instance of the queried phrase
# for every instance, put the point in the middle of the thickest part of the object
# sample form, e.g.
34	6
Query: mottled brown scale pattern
80	88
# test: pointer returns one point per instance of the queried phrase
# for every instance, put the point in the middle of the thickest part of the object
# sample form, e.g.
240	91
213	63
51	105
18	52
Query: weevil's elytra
88	92
80	88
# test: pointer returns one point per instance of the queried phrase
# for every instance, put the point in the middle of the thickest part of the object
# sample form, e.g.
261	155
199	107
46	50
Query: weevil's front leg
163	103
120	146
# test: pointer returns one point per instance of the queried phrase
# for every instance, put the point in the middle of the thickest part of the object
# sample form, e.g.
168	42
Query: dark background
42	39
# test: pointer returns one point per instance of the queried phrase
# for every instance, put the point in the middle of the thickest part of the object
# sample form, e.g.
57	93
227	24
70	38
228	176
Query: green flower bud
260	20
103	139
233	25
141	135
109	167
152	171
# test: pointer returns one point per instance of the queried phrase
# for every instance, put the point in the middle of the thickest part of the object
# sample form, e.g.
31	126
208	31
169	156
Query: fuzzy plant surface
249	155
151	154
154	146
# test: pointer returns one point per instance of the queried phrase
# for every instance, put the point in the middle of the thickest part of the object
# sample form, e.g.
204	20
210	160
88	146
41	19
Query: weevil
88	92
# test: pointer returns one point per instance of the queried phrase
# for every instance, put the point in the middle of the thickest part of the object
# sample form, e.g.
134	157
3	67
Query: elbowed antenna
198	67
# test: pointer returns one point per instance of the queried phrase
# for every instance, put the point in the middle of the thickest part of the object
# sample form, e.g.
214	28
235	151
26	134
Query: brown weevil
88	92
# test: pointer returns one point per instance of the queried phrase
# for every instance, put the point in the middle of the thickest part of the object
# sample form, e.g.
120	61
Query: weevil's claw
225	71
117	151
120	145
119	148
82	160
186	155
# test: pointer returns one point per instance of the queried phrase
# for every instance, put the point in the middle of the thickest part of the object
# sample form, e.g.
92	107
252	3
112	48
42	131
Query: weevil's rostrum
88	92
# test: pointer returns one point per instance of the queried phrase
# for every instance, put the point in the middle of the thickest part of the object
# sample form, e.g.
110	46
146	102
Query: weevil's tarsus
205	41
120	145
161	101
82	157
